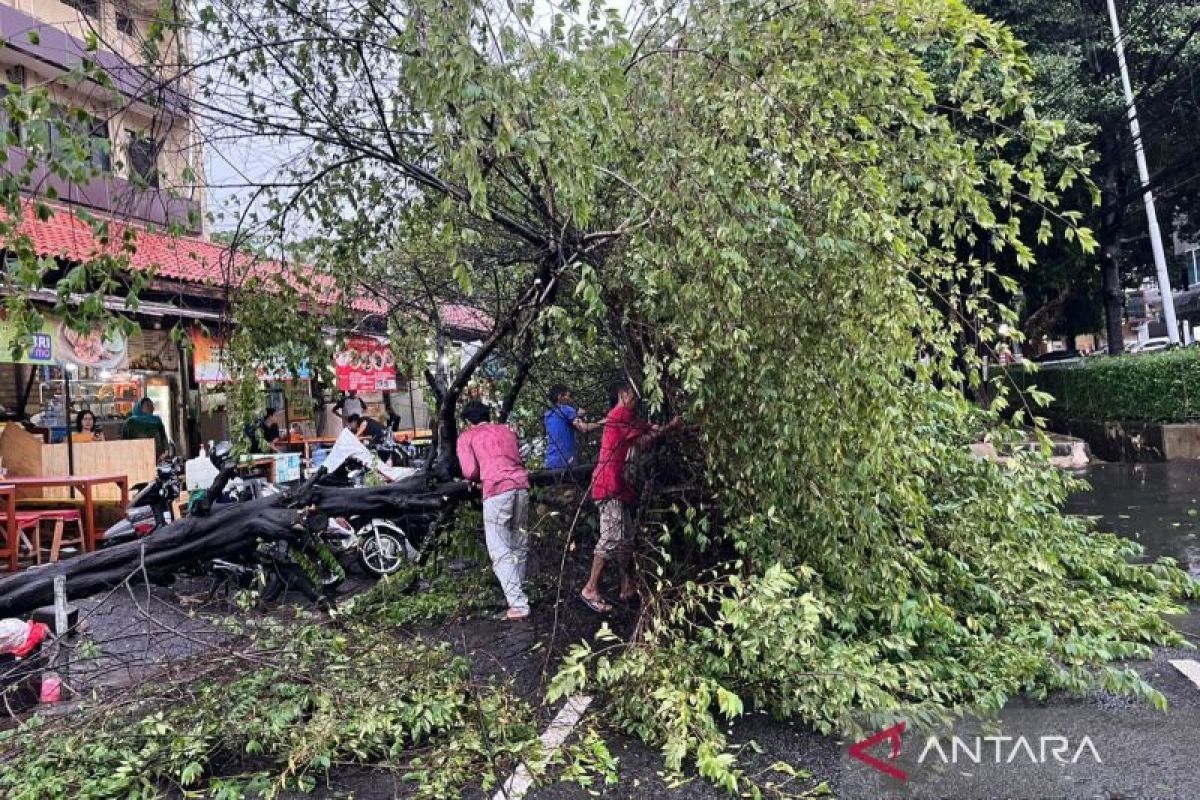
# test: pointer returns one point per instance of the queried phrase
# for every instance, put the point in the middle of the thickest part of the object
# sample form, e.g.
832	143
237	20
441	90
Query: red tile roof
182	258
190	260
466	318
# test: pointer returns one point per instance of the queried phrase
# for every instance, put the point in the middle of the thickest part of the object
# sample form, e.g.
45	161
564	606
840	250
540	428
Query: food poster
93	349
366	365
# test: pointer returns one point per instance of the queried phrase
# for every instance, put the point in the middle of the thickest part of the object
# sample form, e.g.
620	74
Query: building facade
142	127
147	146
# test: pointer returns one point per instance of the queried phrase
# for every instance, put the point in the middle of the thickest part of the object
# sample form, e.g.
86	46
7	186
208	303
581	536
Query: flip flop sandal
599	605
504	617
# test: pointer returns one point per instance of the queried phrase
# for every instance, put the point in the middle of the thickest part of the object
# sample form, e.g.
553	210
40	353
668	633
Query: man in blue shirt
562	420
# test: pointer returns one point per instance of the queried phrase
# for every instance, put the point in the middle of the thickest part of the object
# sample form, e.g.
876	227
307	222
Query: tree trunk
535	297
1112	217
233	530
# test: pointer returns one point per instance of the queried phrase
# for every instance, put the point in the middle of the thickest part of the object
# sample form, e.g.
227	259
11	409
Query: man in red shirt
490	454
614	495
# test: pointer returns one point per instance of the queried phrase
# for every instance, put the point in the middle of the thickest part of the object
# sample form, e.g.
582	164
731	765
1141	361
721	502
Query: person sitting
85	428
145	424
263	435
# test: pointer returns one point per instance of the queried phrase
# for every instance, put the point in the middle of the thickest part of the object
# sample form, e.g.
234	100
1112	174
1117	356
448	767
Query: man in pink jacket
489	454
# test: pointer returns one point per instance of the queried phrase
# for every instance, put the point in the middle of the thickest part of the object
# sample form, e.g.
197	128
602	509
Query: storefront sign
92	349
208	355
38	349
366	365
212	364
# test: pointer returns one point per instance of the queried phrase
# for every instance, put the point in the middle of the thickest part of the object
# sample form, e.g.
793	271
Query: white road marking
1190	669
559	729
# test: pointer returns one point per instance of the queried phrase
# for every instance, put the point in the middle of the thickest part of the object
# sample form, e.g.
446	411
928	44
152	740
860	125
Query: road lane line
1190	669
559	729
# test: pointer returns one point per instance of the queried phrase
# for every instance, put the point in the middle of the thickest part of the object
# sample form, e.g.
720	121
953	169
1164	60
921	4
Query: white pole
1156	244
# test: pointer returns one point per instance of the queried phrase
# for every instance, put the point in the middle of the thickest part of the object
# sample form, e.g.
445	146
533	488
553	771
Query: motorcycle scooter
150	508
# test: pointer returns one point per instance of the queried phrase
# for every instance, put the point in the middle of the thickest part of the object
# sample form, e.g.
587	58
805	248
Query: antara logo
1008	749
974	750
859	750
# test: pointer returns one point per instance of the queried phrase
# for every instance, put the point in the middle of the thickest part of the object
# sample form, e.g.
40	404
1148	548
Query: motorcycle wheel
273	589
383	547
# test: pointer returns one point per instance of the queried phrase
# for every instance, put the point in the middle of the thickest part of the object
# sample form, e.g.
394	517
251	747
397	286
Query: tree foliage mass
771	214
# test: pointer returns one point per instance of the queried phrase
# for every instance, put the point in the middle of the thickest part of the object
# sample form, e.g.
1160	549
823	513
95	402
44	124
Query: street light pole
1156	244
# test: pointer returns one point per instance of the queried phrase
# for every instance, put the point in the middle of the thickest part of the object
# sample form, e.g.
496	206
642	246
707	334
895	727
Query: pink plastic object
51	688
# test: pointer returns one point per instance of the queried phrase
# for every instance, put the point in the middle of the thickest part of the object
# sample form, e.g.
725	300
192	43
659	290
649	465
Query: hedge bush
1155	387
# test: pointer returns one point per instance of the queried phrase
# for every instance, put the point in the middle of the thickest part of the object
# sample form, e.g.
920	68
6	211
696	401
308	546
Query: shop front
213	378
63	372
57	375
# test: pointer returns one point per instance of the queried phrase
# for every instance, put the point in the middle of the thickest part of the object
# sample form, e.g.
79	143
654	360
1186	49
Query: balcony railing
113	196
56	49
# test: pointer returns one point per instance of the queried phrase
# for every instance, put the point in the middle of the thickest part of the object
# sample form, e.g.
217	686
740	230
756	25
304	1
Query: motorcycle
381	547
150	508
297	559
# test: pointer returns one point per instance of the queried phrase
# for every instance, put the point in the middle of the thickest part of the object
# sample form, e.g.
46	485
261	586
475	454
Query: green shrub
1156	387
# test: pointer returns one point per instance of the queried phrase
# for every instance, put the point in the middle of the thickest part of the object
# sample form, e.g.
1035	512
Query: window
89	7
143	159
72	127
14	80
101	144
125	23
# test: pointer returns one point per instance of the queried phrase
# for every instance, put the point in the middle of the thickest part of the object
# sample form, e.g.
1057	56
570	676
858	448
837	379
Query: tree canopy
1070	45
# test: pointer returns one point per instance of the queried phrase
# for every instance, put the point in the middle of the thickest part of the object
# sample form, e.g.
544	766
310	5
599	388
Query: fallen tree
781	220
228	531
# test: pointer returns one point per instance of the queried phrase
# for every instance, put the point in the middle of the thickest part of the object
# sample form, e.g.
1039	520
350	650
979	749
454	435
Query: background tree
1070	43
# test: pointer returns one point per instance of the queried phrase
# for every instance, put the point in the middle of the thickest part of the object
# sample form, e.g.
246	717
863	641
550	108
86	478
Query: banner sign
92	349
208	356
212	365
366	365
38	349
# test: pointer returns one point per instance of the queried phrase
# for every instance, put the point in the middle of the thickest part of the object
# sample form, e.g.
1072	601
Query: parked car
1150	345
1059	358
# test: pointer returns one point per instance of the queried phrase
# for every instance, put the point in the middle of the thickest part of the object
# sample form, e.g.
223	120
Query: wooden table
85	484
11	536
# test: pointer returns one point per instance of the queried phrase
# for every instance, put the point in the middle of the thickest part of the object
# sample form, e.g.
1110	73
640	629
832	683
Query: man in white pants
490	454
